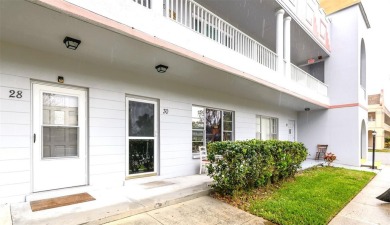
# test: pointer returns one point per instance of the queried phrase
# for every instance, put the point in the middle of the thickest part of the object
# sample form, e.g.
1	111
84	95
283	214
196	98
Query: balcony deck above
241	56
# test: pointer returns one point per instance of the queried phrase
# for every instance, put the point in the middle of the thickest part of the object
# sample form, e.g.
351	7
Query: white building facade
102	114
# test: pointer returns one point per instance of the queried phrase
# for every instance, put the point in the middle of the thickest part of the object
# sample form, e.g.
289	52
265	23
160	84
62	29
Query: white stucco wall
342	68
107	88
340	126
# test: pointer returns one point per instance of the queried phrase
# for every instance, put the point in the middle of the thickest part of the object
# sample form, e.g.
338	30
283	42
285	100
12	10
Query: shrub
387	142
249	164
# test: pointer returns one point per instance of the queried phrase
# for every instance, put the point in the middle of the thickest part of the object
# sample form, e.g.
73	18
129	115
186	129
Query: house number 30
15	94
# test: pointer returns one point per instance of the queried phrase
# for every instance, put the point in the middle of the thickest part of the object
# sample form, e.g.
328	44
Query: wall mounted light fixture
71	43
307	109
161	68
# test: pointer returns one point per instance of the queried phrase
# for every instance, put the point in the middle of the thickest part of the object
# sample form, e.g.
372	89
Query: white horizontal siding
175	137
15	118
107	113
176	119
175	126
106	159
13	129
14	153
14	177
106	104
245	125
173	140
14	189
12	81
15	165
106	150
107	141
107	132
106	95
178	135
177	153
107	136
177	147
5	93
103	122
108	168
14	141
7	105
15	138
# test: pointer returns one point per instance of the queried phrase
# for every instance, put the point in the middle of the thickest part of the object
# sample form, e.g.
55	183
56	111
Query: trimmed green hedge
252	163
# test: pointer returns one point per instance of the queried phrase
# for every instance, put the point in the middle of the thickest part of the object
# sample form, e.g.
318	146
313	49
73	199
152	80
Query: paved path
365	209
204	210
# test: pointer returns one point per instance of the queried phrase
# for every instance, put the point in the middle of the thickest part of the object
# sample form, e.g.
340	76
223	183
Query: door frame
293	129
156	136
34	124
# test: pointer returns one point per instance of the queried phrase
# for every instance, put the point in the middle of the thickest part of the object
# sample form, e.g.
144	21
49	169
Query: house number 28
15	94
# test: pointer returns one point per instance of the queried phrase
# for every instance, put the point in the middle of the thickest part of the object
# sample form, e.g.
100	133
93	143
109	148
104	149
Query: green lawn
380	150
314	197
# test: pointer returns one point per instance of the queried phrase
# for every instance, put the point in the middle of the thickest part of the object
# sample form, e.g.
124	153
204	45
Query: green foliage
253	163
314	197
387	142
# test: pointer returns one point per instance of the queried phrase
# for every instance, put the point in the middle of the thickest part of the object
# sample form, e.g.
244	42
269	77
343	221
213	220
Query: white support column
287	46
279	39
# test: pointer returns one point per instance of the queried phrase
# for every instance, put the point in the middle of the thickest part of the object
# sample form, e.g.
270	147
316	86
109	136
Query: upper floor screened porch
258	38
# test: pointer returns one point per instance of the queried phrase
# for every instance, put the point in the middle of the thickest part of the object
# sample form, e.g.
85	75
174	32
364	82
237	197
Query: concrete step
114	204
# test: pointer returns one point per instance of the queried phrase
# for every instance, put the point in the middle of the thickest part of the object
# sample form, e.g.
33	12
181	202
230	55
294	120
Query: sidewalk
365	209
204	210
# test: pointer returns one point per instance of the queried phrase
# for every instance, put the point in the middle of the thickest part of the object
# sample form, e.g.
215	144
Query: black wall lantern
71	43
161	68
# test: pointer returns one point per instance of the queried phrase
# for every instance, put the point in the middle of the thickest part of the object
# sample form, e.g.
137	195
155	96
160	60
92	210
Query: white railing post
158	6
199	19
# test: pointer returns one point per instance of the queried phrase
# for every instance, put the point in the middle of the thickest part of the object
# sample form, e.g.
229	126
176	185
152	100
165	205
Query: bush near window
252	163
387	142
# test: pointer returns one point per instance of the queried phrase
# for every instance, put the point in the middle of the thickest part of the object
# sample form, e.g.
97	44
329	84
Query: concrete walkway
204	210
365	209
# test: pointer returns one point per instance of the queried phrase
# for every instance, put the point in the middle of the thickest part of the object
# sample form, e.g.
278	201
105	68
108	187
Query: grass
315	196
380	150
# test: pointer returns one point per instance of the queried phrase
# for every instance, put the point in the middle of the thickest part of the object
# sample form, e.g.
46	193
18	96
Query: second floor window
266	128
209	125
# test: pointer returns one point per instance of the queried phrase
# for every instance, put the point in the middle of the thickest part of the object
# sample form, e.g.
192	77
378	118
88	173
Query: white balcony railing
202	21
199	19
145	3
307	80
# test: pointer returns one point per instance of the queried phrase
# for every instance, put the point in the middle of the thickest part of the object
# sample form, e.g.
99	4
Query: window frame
273	128
195	155
309	12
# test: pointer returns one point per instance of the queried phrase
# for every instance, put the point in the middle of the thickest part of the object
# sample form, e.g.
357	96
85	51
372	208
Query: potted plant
329	158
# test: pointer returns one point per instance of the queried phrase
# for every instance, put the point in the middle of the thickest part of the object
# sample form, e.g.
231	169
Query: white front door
59	145
141	136
291	130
